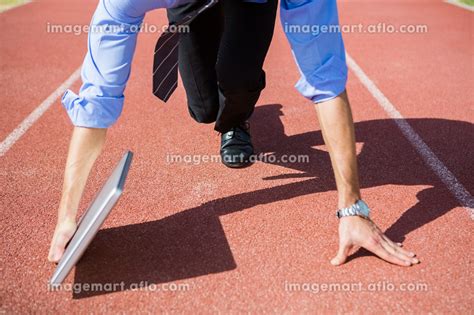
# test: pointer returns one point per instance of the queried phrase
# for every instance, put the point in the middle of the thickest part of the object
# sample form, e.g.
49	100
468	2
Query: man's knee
241	79
205	111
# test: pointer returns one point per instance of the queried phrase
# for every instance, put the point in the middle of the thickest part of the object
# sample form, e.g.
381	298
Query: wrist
67	215
359	208
347	200
68	207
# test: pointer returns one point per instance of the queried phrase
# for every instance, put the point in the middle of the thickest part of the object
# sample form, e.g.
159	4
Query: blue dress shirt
312	28
106	67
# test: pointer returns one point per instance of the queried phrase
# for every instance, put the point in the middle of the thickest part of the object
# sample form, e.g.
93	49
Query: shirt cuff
320	56
93	111
326	82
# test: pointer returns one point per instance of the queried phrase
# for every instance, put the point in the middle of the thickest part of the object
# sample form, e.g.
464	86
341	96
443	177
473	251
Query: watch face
363	208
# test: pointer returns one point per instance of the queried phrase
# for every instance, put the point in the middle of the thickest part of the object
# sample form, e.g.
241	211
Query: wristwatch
360	208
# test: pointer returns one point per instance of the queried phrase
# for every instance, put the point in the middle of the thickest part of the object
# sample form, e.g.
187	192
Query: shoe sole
240	165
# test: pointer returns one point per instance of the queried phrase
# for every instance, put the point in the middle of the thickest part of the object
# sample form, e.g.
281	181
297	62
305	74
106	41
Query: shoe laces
245	126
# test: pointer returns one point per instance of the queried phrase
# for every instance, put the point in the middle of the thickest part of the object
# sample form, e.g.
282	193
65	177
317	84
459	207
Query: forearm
335	118
86	145
105	72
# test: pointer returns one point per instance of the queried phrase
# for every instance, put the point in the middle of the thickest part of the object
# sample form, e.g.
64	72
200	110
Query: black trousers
221	59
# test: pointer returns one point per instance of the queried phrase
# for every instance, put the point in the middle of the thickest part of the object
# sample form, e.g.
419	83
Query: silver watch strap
354	210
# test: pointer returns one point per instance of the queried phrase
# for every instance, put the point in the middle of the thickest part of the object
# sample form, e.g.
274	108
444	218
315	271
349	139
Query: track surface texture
204	238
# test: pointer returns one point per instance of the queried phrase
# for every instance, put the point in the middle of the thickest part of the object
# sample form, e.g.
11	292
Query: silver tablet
93	218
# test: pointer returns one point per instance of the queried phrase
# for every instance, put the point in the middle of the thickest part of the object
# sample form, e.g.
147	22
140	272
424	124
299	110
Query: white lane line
452	183
23	127
461	5
7	7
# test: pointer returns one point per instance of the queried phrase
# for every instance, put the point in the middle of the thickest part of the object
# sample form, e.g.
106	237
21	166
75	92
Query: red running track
236	239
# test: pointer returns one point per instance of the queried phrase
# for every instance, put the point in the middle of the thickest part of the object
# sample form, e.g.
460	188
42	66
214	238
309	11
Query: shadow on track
192	243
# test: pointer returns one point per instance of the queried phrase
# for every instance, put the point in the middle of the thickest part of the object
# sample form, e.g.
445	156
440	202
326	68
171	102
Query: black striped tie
165	63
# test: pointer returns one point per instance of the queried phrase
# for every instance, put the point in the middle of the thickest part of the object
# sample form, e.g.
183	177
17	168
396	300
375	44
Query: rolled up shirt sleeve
106	68
312	29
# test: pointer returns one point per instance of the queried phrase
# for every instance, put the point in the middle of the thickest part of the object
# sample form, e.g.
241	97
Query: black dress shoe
236	147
